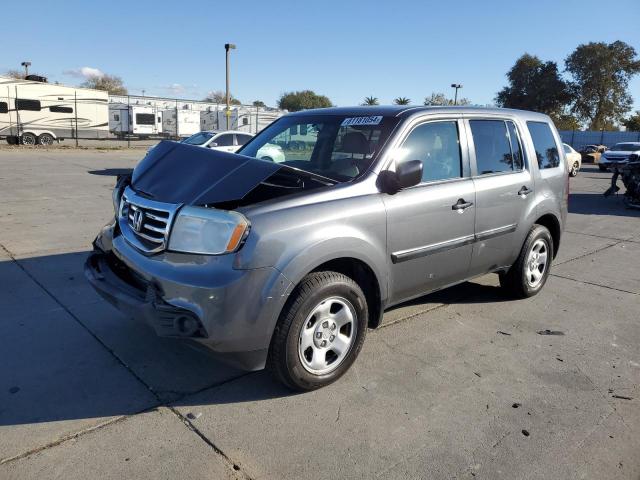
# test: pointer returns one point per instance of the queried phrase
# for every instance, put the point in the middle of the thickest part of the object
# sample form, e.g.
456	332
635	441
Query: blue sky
343	49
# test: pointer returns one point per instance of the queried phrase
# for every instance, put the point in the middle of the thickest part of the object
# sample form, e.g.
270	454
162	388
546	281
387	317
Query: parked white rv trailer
36	112
180	123
134	120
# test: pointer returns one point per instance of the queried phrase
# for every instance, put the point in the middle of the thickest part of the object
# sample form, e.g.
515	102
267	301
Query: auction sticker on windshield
353	121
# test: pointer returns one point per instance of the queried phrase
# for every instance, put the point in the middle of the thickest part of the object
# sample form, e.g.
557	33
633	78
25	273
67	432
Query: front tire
602	168
529	273
320	331
28	139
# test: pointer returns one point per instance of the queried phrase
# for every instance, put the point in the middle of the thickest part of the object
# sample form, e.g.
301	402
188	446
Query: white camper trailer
36	112
180	123
135	120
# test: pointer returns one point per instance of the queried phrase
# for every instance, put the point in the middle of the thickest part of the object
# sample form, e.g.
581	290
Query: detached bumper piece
133	295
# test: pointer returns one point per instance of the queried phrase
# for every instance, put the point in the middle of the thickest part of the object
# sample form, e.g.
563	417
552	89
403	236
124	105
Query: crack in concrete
630	239
66	438
590	253
592	283
160	403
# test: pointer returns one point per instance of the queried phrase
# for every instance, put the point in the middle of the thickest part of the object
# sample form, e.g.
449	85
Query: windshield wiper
315	176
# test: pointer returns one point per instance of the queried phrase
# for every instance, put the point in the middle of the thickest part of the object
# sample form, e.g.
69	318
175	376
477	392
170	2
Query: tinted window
492	144
22	104
198	138
438	146
61	109
145	119
516	147
224	140
4	107
242	139
545	145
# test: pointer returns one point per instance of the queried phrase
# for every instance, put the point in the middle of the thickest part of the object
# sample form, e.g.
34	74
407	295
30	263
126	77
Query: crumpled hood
179	173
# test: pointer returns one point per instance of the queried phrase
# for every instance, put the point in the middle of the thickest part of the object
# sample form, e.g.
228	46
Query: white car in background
231	141
574	160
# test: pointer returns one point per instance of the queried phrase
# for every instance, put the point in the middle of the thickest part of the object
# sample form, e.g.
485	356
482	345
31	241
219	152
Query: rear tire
574	170
529	273
602	168
320	331
28	139
45	139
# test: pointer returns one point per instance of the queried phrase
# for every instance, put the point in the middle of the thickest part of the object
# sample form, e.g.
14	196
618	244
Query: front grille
145	223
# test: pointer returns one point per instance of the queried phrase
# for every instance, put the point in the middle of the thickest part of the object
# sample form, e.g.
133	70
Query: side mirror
407	175
212	144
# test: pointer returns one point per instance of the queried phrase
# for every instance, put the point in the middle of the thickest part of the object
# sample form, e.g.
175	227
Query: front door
504	193
430	226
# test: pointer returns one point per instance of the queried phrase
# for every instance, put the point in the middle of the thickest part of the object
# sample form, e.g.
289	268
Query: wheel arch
365	277
551	222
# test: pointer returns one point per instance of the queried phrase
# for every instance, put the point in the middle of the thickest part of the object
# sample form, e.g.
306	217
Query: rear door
505	193
224	142
430	226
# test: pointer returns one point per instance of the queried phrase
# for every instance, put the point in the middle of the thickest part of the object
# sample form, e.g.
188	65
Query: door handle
461	205
524	191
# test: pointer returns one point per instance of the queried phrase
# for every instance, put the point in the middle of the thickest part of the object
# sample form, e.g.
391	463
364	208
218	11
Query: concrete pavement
458	384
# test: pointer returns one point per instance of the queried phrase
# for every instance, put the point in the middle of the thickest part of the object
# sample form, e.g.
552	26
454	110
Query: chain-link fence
34	113
578	139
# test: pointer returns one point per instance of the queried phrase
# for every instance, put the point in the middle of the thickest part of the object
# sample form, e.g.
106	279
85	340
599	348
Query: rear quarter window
545	145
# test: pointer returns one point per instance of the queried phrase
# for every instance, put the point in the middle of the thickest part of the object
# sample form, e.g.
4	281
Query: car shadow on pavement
66	354
598	204
111	172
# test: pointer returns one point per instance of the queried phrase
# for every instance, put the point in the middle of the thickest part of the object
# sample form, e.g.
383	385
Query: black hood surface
179	173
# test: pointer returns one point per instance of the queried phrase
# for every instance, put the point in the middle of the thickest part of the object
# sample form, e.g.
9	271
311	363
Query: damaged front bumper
203	298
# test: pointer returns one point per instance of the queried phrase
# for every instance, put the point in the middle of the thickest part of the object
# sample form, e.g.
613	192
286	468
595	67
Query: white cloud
84	72
175	88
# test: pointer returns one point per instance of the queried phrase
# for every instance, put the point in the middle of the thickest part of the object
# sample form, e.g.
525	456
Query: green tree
218	96
535	85
601	74
303	100
566	121
371	101
633	122
401	101
439	99
259	103
109	83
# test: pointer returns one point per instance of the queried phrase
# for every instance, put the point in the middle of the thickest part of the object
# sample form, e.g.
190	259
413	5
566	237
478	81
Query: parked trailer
39	113
180	123
134	120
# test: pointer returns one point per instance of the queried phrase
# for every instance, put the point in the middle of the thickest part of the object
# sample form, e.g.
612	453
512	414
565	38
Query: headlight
208	231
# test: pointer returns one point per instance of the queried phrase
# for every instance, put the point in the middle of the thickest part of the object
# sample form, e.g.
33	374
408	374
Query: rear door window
544	144
224	140
492	145
242	139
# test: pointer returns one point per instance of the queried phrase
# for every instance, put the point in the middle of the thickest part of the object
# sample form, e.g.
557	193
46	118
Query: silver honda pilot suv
287	264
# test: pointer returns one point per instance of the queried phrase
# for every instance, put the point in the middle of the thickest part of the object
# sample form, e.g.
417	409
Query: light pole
456	86
26	66
227	47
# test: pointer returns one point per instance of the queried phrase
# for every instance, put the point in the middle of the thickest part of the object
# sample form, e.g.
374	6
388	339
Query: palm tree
371	101
402	101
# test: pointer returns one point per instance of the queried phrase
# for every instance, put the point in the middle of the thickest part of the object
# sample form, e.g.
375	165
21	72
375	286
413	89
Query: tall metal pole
456	86
227	47
75	109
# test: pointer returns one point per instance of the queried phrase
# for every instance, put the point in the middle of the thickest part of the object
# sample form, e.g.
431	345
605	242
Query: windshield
334	146
198	138
626	147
